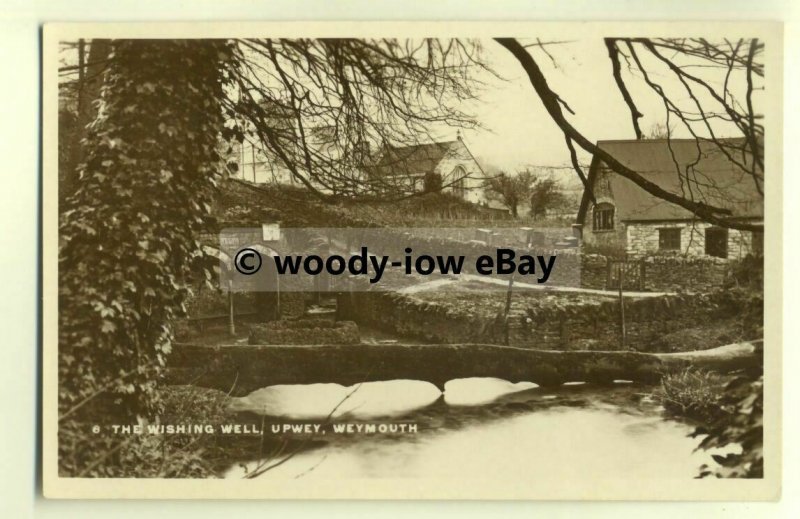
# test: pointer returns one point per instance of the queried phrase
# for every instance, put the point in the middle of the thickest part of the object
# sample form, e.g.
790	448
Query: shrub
105	454
747	273
746	305
432	182
739	423
611	251
305	331
692	393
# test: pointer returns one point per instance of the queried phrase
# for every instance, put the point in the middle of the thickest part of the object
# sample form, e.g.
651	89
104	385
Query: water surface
481	428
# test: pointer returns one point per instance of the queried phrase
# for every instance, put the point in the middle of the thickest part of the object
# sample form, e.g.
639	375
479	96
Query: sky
517	131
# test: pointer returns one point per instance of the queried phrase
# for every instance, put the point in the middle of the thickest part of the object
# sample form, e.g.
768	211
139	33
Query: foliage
445	205
305	331
149	455
693	393
432	182
319	107
129	233
717	330
747	273
612	250
740	423
67	125
545	195
731	414
76	109
746	305
510	190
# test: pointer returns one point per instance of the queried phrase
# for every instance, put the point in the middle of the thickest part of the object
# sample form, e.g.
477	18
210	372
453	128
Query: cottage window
717	242
669	239
603	217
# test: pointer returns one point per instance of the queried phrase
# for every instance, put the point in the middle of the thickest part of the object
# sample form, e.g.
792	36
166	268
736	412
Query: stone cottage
625	217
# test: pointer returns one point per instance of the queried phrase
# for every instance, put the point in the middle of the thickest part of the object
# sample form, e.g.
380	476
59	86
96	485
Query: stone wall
412	317
642	239
688	274
662	273
305	331
594	271
543	238
596	326
575	326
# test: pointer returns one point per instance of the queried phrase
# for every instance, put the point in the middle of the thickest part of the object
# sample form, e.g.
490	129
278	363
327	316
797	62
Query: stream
477	428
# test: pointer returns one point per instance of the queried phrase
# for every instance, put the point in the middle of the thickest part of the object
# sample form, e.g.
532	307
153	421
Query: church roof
416	160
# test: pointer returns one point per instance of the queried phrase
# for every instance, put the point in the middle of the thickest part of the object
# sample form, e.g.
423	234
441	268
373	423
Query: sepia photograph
421	260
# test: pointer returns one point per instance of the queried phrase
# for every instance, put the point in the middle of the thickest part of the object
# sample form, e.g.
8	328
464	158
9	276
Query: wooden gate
630	271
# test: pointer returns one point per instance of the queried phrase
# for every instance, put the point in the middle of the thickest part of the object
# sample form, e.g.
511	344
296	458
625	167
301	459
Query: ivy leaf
108	327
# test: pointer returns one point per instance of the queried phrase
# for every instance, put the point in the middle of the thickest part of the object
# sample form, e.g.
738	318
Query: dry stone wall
412	317
591	325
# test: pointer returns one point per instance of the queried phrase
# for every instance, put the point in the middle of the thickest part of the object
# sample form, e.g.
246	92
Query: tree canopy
511	190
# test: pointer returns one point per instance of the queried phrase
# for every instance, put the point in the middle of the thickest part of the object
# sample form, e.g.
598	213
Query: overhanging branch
712	214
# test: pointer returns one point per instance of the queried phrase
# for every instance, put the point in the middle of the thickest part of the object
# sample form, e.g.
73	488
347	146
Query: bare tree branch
613	54
712	214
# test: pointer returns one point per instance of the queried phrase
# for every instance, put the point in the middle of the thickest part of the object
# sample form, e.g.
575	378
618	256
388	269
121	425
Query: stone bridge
241	369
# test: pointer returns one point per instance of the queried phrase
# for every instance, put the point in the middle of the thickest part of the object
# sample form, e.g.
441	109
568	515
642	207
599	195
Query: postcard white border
767	488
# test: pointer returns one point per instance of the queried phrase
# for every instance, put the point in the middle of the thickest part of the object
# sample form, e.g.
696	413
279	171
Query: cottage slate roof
711	177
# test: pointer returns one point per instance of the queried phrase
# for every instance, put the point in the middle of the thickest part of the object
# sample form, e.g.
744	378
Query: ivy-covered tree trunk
129	234
88	90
